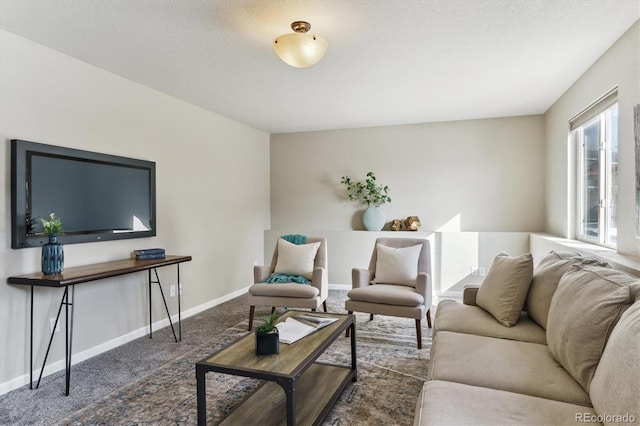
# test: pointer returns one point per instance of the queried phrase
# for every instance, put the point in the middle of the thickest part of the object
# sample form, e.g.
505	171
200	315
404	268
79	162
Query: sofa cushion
450	403
619	369
546	276
284	290
454	316
296	259
583	311
504	290
509	365
387	294
397	265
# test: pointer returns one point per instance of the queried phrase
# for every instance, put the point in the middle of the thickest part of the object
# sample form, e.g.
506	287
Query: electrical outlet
172	291
482	271
180	288
52	323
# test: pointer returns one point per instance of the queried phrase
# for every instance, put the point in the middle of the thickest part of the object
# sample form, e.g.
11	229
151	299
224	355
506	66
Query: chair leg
429	318
419	333
324	304
370	317
348	332
252	311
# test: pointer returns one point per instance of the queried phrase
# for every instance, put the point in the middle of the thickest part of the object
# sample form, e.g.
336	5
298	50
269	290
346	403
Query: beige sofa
572	356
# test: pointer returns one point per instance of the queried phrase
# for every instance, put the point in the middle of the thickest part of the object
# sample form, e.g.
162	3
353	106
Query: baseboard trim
56	366
346	287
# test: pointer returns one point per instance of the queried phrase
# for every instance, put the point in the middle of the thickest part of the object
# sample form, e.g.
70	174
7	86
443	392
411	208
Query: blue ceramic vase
373	218
52	256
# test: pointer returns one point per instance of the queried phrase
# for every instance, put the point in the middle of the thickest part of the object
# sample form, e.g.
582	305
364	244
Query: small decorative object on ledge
396	225
370	194
267	336
52	252
412	223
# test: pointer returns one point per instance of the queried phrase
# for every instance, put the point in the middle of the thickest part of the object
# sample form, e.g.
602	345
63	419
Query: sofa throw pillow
504	290
397	265
296	259
583	311
546	276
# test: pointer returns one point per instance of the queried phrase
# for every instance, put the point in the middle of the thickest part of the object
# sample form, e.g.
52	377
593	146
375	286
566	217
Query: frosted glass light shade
300	50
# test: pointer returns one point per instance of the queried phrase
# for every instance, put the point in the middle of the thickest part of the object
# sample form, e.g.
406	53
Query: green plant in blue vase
53	226
370	194
52	251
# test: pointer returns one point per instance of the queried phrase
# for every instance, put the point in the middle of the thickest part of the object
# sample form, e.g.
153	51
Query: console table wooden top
96	271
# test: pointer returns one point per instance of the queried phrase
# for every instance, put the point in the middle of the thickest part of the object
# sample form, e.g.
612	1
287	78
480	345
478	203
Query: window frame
602	112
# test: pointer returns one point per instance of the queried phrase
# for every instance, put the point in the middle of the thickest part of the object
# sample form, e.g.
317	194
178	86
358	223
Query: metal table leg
31	344
164	300
55	325
69	337
201	395
354	366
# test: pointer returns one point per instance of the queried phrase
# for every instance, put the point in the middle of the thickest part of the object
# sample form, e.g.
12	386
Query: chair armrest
261	273
469	294
424	288
320	280
360	277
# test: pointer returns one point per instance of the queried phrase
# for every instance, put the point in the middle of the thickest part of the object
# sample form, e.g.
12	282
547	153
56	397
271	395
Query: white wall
620	65
212	197
478	175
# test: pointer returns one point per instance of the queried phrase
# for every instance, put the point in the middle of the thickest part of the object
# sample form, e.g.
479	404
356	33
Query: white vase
373	218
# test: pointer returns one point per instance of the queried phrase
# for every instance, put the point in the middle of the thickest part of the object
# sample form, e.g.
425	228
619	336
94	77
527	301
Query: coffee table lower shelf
317	390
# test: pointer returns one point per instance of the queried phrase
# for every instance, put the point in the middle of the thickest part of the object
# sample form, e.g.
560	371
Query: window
595	131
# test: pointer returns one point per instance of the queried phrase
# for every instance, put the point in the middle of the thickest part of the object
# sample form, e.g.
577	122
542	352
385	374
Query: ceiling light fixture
299	49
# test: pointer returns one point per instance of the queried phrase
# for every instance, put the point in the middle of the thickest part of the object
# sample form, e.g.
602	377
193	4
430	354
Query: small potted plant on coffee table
267	337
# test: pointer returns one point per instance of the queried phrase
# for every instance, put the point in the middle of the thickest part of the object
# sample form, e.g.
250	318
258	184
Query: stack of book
151	253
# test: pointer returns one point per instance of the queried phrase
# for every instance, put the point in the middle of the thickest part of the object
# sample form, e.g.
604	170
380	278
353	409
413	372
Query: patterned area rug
391	371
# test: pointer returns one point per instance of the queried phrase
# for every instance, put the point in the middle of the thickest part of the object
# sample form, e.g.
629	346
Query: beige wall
477	175
620	66
477	186
212	198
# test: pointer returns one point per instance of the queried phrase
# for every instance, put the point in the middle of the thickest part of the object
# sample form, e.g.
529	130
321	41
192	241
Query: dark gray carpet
148	381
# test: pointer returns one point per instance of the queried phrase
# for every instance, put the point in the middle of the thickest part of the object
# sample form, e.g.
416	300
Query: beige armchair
291	294
402	287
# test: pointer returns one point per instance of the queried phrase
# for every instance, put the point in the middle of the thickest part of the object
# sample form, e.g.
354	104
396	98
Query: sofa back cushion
504	289
584	309
615	388
546	276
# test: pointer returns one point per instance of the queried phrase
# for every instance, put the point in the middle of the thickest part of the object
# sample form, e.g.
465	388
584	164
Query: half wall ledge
543	243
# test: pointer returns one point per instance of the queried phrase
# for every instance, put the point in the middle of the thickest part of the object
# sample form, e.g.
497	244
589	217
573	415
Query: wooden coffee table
310	388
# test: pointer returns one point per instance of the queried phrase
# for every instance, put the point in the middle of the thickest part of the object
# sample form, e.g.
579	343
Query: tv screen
97	196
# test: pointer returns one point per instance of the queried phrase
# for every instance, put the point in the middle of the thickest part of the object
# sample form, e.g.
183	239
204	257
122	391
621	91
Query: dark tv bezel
19	193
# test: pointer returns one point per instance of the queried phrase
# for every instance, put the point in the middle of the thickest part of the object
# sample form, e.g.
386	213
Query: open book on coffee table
300	325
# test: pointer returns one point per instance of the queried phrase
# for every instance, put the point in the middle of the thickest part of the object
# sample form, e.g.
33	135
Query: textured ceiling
389	61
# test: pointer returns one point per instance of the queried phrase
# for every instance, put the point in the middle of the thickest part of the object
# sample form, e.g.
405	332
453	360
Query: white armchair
402	287
291	294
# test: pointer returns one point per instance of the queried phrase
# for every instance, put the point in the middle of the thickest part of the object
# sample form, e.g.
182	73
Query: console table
83	274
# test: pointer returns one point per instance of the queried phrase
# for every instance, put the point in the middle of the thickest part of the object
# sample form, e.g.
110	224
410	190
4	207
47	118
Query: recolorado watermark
605	418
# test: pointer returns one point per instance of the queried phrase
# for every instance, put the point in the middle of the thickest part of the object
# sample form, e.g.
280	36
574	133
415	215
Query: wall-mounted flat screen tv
97	196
